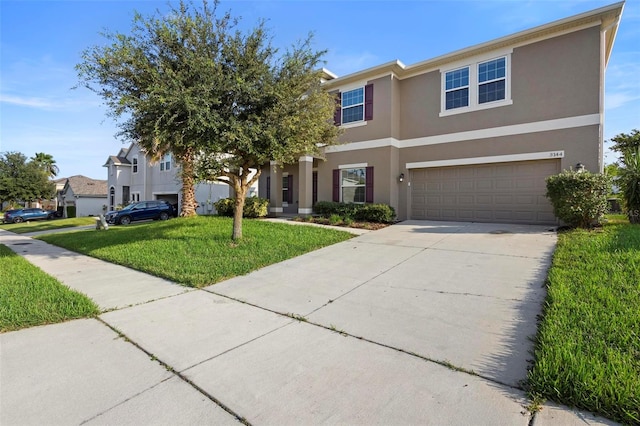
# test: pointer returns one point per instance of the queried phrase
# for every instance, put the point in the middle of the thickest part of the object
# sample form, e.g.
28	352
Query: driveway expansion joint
332	329
176	373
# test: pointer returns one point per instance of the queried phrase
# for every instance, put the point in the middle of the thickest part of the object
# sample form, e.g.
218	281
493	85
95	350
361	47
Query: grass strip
47	225
588	345
30	297
197	251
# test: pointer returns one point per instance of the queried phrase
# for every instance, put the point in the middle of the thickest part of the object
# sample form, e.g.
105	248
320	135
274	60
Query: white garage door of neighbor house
498	192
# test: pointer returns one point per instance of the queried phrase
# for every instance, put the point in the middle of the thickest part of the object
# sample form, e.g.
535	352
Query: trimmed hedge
579	198
71	211
378	213
253	207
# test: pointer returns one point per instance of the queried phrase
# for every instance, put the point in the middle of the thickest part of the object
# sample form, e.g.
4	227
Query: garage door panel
465	185
504	184
482	184
484	199
503	199
505	192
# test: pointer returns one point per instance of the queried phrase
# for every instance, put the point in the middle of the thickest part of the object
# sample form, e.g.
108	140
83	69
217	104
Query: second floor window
165	163
457	88
135	164
353	105
480	85
491	80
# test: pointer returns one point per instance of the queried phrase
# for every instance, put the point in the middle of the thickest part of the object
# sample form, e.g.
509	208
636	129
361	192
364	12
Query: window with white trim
480	85
165	163
134	163
353	105
492	78
457	88
353	185
135	197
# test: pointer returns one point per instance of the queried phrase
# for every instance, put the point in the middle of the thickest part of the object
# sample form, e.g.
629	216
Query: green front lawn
47	225
588	344
197	251
29	297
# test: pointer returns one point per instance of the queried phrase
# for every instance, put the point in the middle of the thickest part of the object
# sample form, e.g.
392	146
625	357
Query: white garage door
498	192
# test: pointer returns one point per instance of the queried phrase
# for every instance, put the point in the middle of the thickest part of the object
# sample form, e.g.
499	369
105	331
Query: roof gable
84	186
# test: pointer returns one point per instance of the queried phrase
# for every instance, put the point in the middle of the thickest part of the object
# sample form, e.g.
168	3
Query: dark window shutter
336	185
368	102
268	187
368	195
337	115
314	188
290	190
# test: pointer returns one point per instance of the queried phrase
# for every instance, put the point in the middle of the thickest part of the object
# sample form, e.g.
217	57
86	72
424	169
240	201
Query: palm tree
630	182
46	163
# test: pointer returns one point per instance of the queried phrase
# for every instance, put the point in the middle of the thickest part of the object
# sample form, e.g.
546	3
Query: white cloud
26	101
347	63
616	100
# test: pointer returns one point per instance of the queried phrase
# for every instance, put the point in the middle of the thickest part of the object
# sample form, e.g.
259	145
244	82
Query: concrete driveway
418	323
464	295
461	293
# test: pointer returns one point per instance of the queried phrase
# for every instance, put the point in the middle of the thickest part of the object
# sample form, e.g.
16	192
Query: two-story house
133	176
467	136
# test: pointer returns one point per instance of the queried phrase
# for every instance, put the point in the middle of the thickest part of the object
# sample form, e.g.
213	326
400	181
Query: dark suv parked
21	215
141	210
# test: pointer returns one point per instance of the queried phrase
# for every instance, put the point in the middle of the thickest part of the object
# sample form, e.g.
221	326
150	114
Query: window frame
134	165
474	83
362	185
343	108
165	163
466	87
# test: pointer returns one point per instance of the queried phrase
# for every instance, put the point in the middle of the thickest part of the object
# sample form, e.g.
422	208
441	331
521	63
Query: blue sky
41	42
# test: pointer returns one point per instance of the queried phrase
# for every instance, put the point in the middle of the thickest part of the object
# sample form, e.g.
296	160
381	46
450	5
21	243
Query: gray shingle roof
118	160
84	186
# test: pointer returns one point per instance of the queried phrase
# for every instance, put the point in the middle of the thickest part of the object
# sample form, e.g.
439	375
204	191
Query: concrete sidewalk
379	319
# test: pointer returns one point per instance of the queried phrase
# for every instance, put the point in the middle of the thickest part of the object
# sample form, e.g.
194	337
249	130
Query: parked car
142	210
22	215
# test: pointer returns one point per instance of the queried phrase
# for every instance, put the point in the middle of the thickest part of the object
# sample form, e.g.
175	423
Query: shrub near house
579	198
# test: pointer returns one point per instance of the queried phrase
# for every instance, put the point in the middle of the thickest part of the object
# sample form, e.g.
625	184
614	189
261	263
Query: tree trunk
241	192
189	203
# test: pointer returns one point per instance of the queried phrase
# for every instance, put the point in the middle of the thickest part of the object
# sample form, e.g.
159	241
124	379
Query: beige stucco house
467	136
133	176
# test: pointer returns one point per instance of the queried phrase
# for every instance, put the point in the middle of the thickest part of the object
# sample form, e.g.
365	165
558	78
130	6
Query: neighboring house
467	136
89	196
133	176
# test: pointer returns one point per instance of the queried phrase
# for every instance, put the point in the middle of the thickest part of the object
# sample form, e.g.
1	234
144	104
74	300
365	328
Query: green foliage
224	207
71	211
22	180
192	83
197	251
254	207
335	219
612	170
587	346
378	213
30	297
48	225
626	141
629	180
579	198
46	163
